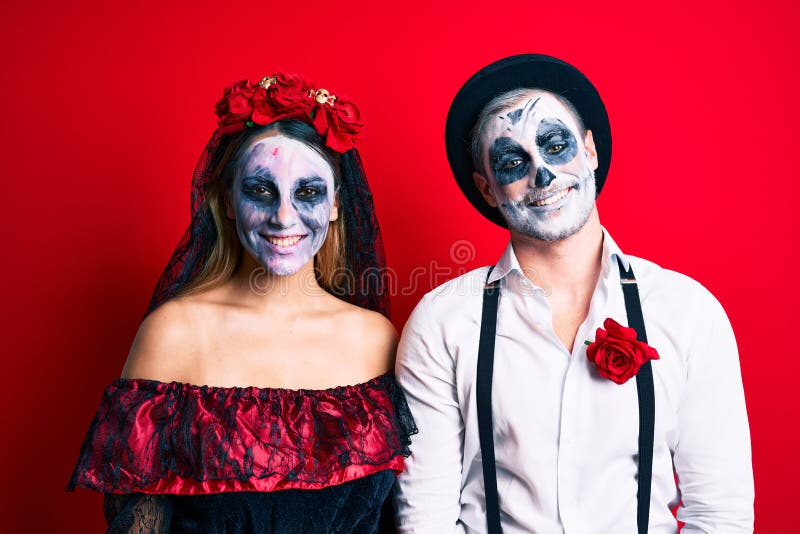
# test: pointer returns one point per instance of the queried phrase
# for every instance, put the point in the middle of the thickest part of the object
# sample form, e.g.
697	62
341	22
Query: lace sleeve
137	513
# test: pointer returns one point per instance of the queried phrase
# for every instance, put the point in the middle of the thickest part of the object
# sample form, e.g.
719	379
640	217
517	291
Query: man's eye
555	149
516	162
261	190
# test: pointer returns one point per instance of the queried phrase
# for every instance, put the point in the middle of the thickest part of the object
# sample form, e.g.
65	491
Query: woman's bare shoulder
166	343
369	335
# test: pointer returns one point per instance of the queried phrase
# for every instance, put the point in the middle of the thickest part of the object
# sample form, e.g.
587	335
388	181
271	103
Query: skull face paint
540	170
283	199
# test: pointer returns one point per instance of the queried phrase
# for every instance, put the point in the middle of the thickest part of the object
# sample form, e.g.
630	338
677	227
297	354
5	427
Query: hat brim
516	72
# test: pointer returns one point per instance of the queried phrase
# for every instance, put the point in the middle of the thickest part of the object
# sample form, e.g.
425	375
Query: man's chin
551	228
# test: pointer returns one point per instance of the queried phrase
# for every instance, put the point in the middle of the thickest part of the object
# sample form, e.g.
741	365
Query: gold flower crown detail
321	96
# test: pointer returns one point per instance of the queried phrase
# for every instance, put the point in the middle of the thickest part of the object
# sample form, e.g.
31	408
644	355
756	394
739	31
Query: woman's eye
513	163
256	190
306	192
555	149
261	190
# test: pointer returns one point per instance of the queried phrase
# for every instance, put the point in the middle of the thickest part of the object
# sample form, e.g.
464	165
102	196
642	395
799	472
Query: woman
257	396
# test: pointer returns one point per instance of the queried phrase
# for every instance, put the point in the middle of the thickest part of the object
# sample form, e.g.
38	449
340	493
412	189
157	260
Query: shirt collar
508	262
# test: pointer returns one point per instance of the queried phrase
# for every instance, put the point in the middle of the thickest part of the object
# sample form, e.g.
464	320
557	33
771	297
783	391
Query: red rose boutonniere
617	353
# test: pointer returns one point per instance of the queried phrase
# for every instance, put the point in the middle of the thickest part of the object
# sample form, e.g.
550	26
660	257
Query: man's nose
543	177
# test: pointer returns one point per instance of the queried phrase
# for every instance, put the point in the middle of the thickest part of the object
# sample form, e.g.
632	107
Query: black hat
517	72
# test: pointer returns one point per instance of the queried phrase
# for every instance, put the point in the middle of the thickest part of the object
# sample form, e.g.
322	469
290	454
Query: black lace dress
174	457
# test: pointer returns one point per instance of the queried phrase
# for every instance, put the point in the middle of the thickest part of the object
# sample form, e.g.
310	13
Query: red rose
339	124
234	108
286	98
617	353
262	109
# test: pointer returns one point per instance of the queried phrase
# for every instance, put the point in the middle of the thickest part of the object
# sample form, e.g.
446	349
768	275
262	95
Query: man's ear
591	151
483	185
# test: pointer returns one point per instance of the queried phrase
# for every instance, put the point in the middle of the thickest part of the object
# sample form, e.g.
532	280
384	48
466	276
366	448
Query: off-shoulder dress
175	457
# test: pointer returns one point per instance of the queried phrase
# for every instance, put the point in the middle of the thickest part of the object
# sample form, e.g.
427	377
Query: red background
106	108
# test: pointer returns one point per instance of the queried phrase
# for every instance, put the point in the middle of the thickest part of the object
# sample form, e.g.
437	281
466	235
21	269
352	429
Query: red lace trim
155	437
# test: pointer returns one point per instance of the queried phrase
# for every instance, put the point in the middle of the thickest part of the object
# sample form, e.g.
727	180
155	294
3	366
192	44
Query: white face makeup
283	200
540	171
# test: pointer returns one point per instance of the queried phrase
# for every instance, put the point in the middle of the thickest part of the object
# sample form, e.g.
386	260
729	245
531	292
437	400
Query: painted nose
544	177
283	217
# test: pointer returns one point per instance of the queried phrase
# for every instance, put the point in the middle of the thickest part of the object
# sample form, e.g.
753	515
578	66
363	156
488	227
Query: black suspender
647	398
483	392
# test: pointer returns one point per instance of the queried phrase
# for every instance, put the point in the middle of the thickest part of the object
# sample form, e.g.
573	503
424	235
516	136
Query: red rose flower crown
617	353
286	96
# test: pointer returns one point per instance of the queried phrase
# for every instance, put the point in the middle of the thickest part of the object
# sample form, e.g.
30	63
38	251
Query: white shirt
566	440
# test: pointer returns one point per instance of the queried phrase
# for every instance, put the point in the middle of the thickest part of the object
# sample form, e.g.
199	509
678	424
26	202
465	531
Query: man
547	434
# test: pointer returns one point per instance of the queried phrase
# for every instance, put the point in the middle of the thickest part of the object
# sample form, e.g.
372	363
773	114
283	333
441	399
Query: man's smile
551	199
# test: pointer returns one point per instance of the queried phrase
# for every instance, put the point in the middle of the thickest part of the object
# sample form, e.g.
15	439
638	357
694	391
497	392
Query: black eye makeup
556	142
509	161
312	190
263	189
259	188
